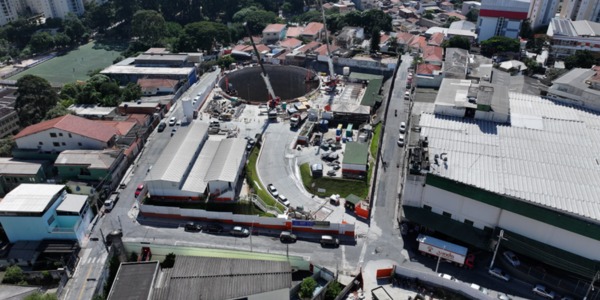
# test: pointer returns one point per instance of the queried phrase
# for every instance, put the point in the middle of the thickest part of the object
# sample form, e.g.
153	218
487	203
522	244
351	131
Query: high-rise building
501	18
581	10
9	11
542	11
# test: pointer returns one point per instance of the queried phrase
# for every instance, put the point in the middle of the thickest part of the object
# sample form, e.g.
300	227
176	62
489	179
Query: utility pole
591	288
500	238
438	261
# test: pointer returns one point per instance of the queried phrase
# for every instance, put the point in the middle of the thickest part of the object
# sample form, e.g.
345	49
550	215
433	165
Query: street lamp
500	238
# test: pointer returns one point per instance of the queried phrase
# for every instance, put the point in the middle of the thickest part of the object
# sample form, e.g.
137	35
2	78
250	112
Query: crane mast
329	60
273	99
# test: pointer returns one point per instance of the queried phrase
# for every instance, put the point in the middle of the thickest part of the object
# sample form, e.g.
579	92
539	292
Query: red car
139	189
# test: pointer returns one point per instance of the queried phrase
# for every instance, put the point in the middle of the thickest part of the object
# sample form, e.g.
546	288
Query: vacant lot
74	65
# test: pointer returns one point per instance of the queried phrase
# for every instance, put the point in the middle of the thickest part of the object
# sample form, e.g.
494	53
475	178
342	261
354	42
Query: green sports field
74	65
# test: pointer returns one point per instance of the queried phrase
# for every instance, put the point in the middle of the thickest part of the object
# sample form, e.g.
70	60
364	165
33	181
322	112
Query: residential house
13	172
345	7
446	6
290	43
436	39
429	75
273	33
430	6
364	4
417	44
403	39
34	212
294	32
313	31
449	33
579	87
322	54
456	63
151	87
350	36
106	166
451	14
568	37
433	55
467	6
68	132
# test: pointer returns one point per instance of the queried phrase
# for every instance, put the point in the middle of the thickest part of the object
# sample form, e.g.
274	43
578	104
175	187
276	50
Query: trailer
448	251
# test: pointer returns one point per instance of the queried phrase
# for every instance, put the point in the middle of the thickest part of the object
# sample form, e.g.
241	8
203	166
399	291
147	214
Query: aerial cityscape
299	149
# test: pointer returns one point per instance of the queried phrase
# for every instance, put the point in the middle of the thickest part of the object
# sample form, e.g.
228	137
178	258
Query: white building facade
567	37
501	18
542	11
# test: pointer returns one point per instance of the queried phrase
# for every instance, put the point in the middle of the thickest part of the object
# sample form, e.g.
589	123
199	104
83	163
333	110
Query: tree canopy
201	35
581	59
35	97
375	40
256	18
457	42
499	44
149	26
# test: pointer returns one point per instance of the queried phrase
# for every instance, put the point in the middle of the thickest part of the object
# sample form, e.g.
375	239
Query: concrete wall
449	111
71	141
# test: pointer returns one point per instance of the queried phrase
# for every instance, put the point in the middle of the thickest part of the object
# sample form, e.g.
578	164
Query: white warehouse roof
548	155
29	198
180	153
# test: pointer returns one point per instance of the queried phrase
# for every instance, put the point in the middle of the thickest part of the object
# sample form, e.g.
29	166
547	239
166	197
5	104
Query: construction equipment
273	99
332	78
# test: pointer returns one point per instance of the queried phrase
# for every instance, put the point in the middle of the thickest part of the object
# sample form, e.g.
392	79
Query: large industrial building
501	17
196	167
534	174
567	37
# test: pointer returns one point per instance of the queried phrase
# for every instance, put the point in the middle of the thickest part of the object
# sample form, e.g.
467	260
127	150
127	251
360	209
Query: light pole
438	261
500	238
591	288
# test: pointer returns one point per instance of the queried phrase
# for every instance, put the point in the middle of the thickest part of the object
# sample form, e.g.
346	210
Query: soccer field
72	66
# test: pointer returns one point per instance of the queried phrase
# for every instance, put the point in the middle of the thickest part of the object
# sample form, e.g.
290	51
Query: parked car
193	227
406	95
178	123
283	200
327	240
511	258
480	288
240	231
172	121
287	237
446	276
139	190
402	127
273	190
162	126
111	201
498	273
401	140
543	291
213	228
503	296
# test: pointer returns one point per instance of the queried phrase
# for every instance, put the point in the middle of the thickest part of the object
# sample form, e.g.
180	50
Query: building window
41	143
60	134
52	134
447	214
63	143
56	144
468	222
79	144
70	135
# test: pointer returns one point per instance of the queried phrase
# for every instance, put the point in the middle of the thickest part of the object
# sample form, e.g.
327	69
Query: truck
297	119
445	250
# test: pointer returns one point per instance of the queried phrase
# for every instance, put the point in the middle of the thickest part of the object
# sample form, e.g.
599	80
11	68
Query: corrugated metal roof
227	160
549	155
222	278
10	165
180	153
31	198
195	181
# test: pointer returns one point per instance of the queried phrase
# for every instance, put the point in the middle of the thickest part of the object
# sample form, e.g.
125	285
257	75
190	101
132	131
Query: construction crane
273	99
332	79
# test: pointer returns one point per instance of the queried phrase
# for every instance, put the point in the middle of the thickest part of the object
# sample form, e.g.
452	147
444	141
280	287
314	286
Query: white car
446	276
406	95
402	127
503	296
240	231
401	140
273	190
480	288
172	121
511	258
178	123
498	273
543	291
283	200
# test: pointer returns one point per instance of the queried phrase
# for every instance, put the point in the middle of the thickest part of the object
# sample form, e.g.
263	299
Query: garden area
343	187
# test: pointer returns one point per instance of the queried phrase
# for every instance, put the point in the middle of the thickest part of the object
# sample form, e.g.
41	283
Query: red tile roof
156	83
427	69
454	14
433	53
141	119
419	42
290	43
436	39
309	47
323	49
384	38
404	38
294	31
92	129
313	28
242	48
122	127
274	28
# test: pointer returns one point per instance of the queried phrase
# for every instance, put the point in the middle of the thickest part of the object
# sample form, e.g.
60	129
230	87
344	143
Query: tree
333	289
225	61
74	28
526	31
581	59
35	97
499	44
201	36
13	274
472	15
6	146
70	91
19	32
61	40
428	15
257	19
56	111
40	296
88	95
307	288
450	21
169	261
98	16
131	92
457	42
41	42
149	26
375	40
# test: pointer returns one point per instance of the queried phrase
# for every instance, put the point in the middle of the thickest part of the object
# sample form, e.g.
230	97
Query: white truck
451	252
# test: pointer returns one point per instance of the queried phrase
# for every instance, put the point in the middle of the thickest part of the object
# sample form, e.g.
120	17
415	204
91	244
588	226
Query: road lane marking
85	282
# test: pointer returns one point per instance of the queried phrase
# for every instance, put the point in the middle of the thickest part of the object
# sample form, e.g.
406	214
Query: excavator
273	99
